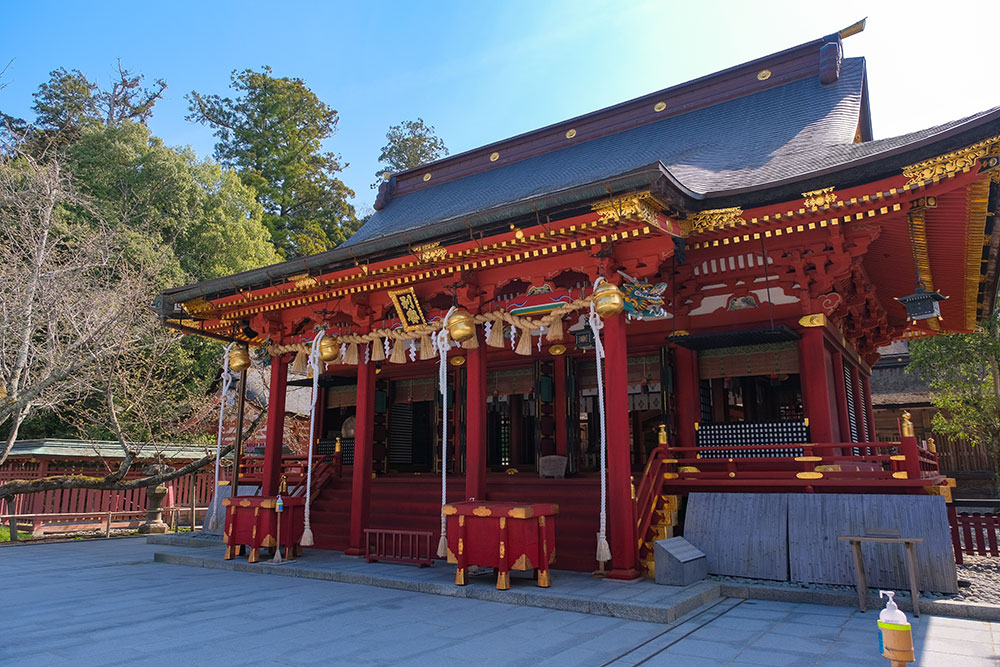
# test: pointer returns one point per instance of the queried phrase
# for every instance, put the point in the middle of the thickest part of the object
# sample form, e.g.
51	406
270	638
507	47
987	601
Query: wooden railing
879	465
647	495
296	469
401	546
973	534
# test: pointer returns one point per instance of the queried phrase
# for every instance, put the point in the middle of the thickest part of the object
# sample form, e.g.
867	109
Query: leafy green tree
195	215
409	144
272	132
963	371
66	102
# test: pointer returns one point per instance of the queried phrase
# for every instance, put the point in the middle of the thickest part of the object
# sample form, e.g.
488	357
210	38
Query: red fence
92	501
973	534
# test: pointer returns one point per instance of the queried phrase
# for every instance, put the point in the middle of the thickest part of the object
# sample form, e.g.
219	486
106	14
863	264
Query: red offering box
505	536
253	521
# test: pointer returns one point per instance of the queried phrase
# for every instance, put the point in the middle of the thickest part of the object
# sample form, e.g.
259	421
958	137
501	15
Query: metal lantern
461	326
239	358
584	339
608	300
329	350
922	305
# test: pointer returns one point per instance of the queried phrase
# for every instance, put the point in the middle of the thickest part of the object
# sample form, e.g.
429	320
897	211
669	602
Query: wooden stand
859	566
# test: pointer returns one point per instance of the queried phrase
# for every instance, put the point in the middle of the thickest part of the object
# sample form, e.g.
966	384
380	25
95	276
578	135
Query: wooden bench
400	546
859	565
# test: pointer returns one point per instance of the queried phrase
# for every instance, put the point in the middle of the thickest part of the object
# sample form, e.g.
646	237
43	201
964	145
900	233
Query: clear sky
482	71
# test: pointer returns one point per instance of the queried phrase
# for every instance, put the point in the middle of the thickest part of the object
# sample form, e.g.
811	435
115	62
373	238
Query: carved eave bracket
950	164
642	207
716	219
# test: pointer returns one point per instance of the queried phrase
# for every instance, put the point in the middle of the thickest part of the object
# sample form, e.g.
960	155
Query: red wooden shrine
761	238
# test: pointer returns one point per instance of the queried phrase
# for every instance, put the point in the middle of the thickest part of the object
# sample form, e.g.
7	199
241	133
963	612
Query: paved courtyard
106	603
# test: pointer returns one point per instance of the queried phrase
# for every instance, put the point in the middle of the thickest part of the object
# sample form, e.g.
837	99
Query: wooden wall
742	534
793	537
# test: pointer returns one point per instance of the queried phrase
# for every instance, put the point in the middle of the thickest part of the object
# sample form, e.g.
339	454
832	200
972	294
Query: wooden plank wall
742	534
815	521
793	537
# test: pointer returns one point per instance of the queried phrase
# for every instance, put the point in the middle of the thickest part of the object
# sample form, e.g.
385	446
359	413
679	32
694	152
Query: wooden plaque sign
408	308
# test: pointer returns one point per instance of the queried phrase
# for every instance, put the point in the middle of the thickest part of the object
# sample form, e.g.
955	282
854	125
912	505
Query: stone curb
181	540
952	608
617	609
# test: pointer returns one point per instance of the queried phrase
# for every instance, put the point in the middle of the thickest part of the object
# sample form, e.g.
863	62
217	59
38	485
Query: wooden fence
973	534
76	503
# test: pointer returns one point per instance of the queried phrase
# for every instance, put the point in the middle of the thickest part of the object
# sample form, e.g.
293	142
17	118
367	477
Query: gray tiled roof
744	142
103	449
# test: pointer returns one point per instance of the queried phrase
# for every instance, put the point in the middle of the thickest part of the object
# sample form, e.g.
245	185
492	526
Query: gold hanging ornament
608	300
329	350
239	358
461	326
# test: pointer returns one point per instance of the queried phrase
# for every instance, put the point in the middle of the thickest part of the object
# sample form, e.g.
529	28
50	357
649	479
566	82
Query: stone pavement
107	602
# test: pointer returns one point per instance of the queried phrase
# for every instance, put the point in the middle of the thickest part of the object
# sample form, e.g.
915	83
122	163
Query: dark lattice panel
705	396
752	434
852	408
401	434
347	451
866	435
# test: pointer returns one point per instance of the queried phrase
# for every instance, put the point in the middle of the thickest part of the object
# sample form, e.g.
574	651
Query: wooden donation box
253	521
505	536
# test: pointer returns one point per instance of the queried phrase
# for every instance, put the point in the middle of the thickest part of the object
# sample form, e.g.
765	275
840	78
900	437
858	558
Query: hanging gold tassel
524	344
351	356
471	343
378	350
301	363
495	339
398	355
555	331
426	348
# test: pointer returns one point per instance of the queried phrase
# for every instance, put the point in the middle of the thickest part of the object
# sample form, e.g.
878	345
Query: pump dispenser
895	640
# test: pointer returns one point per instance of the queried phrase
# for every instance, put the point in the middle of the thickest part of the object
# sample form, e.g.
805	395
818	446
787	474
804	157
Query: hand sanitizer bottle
895	641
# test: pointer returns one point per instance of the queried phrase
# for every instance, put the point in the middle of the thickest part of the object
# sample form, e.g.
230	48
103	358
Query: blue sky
481	71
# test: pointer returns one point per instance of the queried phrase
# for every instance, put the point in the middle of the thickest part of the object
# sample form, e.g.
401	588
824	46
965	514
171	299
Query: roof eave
344	257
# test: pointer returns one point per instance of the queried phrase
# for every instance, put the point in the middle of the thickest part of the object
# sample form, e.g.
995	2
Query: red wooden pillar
364	427
475	425
840	387
816	396
274	435
688	394
559	371
621	517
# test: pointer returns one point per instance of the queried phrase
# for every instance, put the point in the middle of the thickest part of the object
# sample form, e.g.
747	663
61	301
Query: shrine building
739	246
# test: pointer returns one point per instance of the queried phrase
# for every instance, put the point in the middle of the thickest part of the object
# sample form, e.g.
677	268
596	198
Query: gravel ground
979	582
983	575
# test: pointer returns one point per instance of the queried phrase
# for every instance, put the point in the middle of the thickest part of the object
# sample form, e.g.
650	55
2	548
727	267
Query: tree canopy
409	144
963	371
272	132
98	216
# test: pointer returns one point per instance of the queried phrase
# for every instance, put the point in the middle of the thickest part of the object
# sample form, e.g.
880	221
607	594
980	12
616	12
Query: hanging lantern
329	350
922	305
239	358
608	300
584	339
461	326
